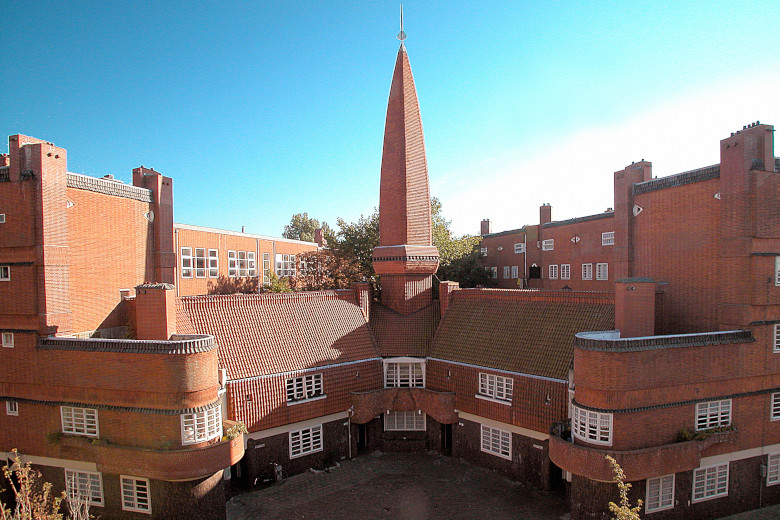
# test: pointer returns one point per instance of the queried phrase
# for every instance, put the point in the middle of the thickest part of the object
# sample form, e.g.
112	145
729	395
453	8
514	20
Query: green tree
450	247
34	497
301	227
468	271
357	240
276	284
325	269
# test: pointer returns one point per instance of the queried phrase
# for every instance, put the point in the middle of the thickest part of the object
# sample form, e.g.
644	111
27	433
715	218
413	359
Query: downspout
176	256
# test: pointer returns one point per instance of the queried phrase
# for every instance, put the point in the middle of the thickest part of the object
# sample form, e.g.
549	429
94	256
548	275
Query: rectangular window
200	262
79	421
565	271
711	482
83	486
308	440
553	272
494	272
266	267
5	273
251	265
548	245
135	494
774	413
587	271
8	339
483	251
241	263
186	262
213	263
777	270
304	387
591	426
776	337
608	238
2	218
712	414
519	248
497	442
11	408
404	421
514	271
506	272
495	387
602	271
201	426
660	493
404	375
773	469
232	264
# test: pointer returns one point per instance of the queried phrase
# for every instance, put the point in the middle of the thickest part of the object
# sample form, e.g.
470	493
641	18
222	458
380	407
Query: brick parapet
190	344
108	187
592	341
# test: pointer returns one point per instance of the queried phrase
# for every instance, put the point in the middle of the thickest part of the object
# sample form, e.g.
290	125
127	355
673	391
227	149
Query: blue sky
262	110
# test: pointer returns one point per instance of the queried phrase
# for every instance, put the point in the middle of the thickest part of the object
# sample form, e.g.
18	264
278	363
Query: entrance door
446	439
362	440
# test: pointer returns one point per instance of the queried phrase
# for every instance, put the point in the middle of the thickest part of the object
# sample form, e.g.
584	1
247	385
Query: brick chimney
155	311
635	307
162	220
364	294
545	213
485	228
320	238
445	294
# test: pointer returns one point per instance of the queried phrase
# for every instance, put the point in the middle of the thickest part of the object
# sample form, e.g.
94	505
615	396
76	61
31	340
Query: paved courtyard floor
398	486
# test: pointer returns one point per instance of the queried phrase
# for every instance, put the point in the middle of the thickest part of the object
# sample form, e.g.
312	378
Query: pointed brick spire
404	201
405	258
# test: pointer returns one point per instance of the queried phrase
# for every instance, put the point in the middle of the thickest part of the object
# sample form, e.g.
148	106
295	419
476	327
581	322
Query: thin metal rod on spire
402	35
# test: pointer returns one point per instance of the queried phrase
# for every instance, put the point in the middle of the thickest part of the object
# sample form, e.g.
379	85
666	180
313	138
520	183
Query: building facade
621	335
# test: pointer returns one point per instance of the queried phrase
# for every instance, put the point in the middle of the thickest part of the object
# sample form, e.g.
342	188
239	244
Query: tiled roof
260	334
399	335
530	332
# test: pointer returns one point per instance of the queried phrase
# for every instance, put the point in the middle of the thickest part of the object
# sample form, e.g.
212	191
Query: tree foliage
276	284
325	269
624	511
468	271
357	240
301	227
225	285
34	497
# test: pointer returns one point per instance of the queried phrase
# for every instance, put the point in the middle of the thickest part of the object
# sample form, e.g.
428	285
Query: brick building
624	339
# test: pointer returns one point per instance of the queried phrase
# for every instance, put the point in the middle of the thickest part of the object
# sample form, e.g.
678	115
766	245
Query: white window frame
186	262
774	409
213	263
483	251
495	388
776	337
201	426
710	482
587	271
199	260
552	271
773	469
514	271
2	218
84	485
305	441
519	248
79	421
12	408
590	426
777	271
232	264
565	271
304	388
136	494
548	245
266	268
659	494
602	271
496	442
608	238
242	264
404	373
405	421
711	414
8	339
5	273
506	272
251	264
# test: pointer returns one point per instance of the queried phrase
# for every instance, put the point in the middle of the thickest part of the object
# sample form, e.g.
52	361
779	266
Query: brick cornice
191	344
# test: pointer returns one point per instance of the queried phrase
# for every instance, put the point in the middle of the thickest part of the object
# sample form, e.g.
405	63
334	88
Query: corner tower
405	258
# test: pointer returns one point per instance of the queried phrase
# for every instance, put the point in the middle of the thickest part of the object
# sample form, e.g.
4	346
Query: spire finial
402	35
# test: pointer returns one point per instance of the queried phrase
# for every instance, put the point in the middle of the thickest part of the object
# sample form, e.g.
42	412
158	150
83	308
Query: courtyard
398	486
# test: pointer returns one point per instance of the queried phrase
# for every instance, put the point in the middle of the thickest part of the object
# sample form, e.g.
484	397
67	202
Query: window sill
301	401
493	400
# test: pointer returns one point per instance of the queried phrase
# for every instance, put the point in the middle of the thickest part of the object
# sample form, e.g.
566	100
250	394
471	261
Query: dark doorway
362	440
446	439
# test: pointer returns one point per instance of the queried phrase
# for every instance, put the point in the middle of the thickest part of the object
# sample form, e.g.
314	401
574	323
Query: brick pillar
635	307
319	238
623	250
162	196
445	294
485	228
545	214
155	311
364	294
